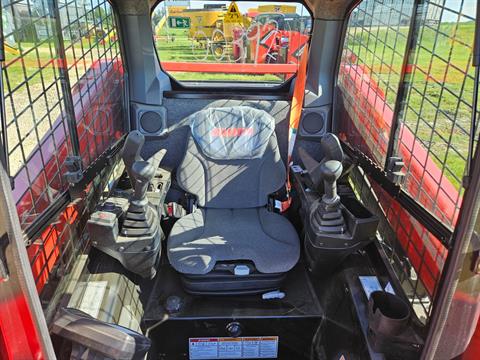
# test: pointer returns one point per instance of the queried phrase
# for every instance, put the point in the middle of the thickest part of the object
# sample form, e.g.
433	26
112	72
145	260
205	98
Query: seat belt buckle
175	210
279	204
284	205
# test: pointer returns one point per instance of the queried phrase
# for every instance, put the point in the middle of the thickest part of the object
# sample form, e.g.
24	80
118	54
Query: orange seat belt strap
295	116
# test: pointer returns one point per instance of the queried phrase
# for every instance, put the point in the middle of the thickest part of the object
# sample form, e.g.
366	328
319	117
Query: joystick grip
142	172
131	152
331	171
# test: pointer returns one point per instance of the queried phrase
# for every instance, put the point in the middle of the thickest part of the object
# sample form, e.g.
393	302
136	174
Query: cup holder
388	314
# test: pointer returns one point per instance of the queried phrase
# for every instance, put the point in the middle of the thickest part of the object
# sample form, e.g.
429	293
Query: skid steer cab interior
239	180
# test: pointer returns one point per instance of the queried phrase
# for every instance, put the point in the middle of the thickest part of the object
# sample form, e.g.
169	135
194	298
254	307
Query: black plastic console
131	236
126	226
326	248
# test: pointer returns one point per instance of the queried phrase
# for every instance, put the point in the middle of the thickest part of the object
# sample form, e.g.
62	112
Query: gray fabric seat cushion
207	236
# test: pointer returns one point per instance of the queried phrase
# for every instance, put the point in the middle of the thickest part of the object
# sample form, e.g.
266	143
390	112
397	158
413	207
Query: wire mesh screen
94	65
409	63
371	64
63	77
36	121
63	68
436	110
416	256
54	253
433	100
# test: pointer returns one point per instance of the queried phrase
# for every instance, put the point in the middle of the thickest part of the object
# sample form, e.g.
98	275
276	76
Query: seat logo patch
231	132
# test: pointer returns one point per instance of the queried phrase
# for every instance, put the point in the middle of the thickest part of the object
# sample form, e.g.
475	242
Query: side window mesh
372	58
64	96
435	112
94	64
36	120
64	93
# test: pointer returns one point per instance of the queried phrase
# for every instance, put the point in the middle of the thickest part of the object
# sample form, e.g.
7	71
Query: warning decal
264	347
233	15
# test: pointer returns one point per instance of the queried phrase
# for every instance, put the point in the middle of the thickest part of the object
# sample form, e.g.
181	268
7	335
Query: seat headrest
232	133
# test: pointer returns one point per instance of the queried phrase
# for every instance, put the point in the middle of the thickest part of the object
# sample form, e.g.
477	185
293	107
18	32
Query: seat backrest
232	158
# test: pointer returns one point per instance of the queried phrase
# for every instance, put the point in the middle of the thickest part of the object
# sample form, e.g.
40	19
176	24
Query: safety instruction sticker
263	347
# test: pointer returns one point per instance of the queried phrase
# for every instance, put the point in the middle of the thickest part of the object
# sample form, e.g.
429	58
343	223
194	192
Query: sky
245	5
467	7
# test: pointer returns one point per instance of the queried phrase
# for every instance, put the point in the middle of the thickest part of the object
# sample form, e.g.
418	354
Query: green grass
37	65
176	45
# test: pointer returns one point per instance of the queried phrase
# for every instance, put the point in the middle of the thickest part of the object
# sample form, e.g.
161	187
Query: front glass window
243	41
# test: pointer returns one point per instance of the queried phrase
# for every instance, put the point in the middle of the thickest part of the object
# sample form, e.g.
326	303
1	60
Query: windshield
244	41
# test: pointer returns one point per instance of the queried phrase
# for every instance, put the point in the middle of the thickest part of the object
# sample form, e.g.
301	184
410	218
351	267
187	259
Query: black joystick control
131	152
336	224
142	173
331	171
127	225
140	219
328	216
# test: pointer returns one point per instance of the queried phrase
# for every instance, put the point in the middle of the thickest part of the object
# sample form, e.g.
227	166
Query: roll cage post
463	262
23	328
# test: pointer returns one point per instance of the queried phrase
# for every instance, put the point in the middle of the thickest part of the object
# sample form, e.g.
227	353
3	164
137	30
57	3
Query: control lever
332	150
157	158
129	229
331	171
131	152
328	215
142	173
335	226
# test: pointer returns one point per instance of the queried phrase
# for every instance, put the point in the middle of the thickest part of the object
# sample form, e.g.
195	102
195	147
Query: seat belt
295	116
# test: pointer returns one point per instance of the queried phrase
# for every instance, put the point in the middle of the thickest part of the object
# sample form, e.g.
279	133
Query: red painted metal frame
230	68
15	314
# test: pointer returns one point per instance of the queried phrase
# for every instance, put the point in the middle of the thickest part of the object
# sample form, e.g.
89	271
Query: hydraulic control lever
328	217
142	174
330	172
131	152
336	225
127	226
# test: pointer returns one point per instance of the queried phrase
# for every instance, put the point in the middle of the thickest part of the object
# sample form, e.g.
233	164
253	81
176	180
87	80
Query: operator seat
231	243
